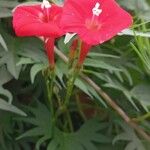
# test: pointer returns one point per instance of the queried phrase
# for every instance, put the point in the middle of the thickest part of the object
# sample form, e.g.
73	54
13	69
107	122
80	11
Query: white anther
45	4
96	11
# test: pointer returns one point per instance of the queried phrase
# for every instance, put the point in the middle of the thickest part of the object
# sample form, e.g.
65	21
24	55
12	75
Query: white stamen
45	4
96	11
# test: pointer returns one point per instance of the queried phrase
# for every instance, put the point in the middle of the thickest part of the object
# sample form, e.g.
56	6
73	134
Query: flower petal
30	21
39	29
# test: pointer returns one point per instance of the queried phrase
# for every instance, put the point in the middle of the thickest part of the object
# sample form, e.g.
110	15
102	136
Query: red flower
39	20
95	21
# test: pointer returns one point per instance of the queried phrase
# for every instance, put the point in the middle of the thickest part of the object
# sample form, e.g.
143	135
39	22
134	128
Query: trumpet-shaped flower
39	20
95	21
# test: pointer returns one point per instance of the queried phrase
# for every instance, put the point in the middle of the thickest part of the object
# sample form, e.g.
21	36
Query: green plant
107	101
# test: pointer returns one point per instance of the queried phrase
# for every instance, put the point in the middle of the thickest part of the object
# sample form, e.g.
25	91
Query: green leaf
100	64
40	128
10	57
10	60
95	54
2	42
133	33
141	7
82	86
83	139
6	8
4	78
8	131
9	107
5	12
32	48
34	70
31	133
4	75
24	61
130	136
11	4
40	141
6	93
111	82
135	4
142	50
53	145
142	93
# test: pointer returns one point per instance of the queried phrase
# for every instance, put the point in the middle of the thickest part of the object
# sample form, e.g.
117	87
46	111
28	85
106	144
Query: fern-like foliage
91	132
130	136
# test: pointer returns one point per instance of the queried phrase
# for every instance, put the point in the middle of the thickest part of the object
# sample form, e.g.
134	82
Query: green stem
73	75
69	120
70	85
142	118
50	83
80	108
